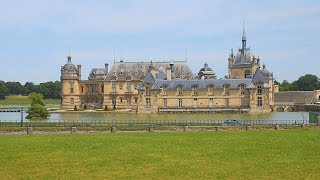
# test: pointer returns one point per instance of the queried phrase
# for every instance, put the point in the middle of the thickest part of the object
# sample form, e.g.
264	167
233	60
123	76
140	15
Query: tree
3	90
28	88
285	86
307	82
37	108
14	88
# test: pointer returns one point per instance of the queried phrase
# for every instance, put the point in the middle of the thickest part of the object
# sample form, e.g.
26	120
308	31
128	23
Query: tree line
307	82
52	90
49	90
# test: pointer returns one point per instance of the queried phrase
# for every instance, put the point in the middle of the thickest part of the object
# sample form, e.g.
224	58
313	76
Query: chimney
168	72
79	71
106	66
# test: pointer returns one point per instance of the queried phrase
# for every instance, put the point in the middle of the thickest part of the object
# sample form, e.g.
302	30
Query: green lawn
268	154
24	101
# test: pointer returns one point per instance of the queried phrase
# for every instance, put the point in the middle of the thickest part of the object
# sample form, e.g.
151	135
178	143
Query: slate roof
149	79
97	73
245	58
294	96
139	69
203	84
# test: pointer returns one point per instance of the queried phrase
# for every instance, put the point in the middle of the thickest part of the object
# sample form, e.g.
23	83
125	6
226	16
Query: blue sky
36	35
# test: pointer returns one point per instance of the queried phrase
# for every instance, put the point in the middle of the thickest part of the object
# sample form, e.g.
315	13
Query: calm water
270	118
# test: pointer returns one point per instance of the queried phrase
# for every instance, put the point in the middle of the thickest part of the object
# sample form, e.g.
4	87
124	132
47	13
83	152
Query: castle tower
70	77
244	64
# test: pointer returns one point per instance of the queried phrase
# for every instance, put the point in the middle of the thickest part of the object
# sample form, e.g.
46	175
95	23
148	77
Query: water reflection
269	118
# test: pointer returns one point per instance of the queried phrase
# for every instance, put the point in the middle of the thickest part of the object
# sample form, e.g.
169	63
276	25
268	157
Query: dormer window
226	89
164	90
259	89
210	90
242	88
148	91
195	90
179	89
247	74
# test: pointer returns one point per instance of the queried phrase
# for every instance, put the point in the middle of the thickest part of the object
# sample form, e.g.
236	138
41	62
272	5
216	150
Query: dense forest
52	90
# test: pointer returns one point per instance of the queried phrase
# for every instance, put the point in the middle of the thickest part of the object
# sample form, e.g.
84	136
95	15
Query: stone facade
152	87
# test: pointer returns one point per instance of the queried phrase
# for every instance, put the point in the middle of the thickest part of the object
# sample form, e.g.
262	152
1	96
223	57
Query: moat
268	118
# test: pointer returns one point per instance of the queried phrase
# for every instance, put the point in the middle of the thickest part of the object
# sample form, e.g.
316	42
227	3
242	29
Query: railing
146	123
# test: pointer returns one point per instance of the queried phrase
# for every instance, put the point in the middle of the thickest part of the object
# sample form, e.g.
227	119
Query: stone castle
153	87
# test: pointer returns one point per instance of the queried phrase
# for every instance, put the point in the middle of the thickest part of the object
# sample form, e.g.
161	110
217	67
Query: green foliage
36	98
307	82
3	90
284	154
37	111
37	108
50	90
14	88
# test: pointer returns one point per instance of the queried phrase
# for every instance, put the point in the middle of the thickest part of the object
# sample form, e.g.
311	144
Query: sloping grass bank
285	154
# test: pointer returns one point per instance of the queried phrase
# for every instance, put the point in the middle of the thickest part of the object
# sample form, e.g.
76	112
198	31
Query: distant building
152	87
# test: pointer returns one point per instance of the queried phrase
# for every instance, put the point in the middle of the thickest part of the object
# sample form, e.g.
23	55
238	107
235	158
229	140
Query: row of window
210	90
165	102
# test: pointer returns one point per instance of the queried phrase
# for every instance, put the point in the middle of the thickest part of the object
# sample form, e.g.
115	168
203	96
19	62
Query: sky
36	36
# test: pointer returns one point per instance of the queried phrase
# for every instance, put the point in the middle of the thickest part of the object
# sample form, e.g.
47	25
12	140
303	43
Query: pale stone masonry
152	87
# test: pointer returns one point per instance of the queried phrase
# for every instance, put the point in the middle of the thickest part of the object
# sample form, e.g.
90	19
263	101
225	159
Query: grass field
24	101
285	154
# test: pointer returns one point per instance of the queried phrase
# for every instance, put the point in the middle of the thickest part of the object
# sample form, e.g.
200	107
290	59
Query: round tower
70	91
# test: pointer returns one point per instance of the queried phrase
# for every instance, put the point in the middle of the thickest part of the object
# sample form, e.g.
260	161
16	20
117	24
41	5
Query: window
226	89
211	103
259	89
148	102
114	87
242	88
129	87
128	100
227	102
179	103
247	74
102	88
210	90
165	103
179	90
121	99
71	101
114	102
71	87
195	90
82	89
164	90
242	102
195	103
259	101
147	91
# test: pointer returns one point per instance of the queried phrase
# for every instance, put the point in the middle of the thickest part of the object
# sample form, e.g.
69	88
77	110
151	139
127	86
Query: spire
69	57
244	39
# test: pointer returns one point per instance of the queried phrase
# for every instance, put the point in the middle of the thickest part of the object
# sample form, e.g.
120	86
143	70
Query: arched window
247	74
